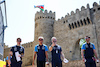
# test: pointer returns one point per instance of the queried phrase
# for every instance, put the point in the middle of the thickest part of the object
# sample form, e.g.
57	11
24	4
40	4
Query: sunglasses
54	41
19	41
87	37
40	39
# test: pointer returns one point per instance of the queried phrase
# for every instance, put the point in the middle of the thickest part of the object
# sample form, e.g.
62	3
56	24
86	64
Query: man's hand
47	63
33	65
84	60
9	62
53	44
19	55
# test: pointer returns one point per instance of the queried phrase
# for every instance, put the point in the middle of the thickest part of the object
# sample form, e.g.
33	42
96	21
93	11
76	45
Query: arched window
93	10
51	17
88	20
69	26
85	22
99	8
40	16
48	16
81	22
75	24
64	22
78	23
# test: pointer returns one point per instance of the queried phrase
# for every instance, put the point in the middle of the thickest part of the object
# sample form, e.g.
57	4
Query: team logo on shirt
38	47
43	47
21	50
15	48
86	46
91	46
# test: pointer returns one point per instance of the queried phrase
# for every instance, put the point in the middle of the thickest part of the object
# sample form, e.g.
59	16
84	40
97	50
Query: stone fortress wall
68	30
28	55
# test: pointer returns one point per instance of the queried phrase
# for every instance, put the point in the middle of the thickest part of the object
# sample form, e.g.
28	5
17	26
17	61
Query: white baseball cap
40	37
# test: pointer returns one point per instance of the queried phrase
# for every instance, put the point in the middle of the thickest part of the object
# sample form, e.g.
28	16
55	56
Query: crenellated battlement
28	45
77	11
79	17
96	7
45	14
83	9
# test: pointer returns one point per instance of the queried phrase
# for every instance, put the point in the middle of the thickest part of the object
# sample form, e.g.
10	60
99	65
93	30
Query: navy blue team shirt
56	53
40	49
14	49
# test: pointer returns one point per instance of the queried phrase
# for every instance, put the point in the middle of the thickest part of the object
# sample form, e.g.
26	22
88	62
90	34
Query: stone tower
44	26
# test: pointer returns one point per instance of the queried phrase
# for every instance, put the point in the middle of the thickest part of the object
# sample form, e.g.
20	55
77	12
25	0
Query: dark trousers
90	63
56	64
40	63
17	64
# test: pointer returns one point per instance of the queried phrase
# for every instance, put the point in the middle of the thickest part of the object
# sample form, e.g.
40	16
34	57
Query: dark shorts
17	64
90	63
56	64
40	63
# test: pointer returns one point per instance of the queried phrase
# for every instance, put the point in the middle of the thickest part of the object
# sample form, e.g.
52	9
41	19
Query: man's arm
10	54
94	50
95	53
82	54
22	54
46	56
34	57
50	48
62	55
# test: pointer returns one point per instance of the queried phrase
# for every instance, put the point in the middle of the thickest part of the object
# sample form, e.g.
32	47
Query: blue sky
21	14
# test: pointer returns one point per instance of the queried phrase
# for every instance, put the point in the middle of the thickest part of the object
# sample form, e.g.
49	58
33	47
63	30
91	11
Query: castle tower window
75	24
85	21
48	16
99	8
43	17
88	20
78	23
93	10
51	17
40	16
81	22
69	26
64	22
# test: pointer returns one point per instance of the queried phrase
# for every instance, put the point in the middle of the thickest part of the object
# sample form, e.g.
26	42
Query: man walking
88	53
56	52
17	52
41	51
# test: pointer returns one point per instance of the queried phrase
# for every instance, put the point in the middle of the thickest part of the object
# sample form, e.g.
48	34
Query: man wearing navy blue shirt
41	51
56	52
88	53
16	52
